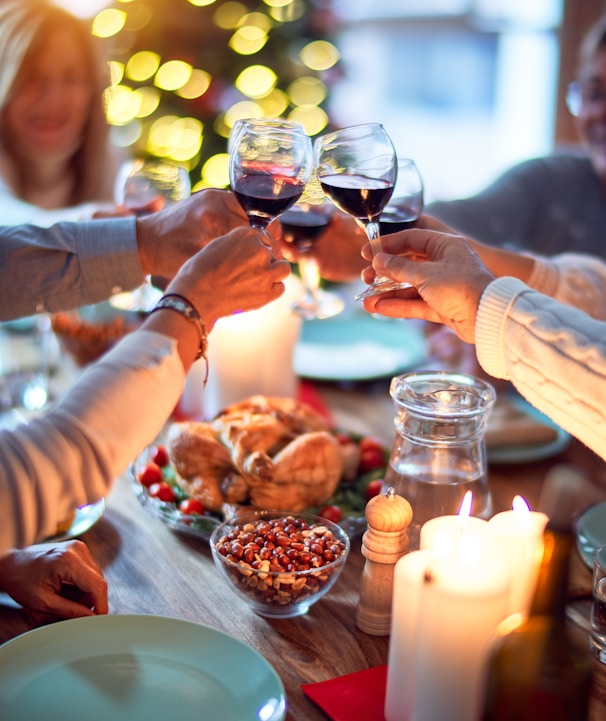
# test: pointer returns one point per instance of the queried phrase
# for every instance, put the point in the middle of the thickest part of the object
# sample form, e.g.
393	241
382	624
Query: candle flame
465	509
521	511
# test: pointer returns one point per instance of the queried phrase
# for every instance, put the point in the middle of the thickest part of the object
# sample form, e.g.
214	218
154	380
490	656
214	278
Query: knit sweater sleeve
554	355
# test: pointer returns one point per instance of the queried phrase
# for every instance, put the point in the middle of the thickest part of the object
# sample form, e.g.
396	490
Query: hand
167	238
447	275
236	272
52	581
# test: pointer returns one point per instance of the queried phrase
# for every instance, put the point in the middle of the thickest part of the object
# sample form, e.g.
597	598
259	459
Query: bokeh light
172	74
256	81
319	55
198	83
108	23
142	65
228	15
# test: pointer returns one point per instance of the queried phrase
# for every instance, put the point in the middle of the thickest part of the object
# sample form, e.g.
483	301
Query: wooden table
151	570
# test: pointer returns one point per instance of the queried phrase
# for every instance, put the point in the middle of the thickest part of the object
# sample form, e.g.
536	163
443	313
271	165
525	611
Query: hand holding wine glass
270	161
357	168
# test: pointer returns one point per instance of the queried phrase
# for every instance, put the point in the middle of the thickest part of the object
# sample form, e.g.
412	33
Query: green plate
136	668
359	347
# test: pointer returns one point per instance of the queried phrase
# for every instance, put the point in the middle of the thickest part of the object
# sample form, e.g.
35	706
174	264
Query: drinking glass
357	168
406	203
146	186
598	606
270	162
302	226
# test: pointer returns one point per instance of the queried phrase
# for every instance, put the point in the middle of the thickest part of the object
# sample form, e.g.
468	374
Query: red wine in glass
263	197
363	198
396	218
302	228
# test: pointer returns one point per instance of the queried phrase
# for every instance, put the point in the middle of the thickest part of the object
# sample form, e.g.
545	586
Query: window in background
465	88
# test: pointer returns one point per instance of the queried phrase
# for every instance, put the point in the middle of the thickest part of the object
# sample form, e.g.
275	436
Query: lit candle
454	527
519	534
252	353
447	602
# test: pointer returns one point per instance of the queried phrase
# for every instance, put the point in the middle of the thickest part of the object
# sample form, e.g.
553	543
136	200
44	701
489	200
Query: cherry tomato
371	459
343	438
331	513
371	442
160	456
152	473
191	506
163	491
373	488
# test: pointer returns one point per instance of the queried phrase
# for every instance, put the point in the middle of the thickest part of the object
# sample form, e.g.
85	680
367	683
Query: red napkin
358	696
308	393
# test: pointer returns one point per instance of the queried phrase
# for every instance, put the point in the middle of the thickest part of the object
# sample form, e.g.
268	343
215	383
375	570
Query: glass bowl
280	562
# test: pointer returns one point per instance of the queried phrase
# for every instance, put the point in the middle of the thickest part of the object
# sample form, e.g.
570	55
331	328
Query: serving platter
135	668
349	497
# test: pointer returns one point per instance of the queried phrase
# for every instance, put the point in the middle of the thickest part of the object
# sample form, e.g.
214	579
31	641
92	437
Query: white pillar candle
406	610
252	353
447	602
519	535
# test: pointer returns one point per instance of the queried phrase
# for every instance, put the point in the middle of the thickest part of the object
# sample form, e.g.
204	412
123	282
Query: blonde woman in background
56	162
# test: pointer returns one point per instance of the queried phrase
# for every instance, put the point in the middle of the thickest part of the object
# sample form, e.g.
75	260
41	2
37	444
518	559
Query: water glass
598	607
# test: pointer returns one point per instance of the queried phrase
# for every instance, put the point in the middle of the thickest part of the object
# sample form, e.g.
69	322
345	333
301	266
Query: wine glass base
381	287
324	305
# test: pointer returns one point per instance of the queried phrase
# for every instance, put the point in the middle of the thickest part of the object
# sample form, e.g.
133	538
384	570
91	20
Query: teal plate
136	668
591	532
358	348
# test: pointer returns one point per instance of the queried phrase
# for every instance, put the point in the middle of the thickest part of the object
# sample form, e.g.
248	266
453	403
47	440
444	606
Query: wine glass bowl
302	226
145	186
270	161
406	203
357	169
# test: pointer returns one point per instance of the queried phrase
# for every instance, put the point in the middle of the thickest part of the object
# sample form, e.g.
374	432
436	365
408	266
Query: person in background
552	352
552	204
56	162
69	455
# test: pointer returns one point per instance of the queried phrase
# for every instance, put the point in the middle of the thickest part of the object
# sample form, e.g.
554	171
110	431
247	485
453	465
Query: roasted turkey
270	453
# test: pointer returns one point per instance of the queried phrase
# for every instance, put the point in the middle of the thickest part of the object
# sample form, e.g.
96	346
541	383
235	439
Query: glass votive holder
598	606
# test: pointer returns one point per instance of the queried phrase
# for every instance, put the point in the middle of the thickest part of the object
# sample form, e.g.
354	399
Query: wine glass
146	186
270	161
357	168
302	226
406	203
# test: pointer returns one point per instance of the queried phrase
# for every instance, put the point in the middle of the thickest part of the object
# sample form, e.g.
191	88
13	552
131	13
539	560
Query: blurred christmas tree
184	70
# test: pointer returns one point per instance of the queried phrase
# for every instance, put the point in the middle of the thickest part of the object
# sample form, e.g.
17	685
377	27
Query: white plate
530	453
358	347
135	668
591	532
85	518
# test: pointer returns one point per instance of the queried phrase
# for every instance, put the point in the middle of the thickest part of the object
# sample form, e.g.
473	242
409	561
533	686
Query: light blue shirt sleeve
66	266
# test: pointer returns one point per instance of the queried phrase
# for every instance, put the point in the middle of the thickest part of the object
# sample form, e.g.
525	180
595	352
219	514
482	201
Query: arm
554	355
71	454
75	264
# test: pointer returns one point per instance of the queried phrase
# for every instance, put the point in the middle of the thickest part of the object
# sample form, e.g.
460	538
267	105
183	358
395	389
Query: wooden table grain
153	570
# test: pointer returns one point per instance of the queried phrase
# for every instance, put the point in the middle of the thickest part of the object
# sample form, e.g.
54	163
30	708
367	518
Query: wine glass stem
310	275
374	237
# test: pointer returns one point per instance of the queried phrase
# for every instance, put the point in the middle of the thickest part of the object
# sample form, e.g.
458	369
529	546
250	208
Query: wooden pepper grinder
384	542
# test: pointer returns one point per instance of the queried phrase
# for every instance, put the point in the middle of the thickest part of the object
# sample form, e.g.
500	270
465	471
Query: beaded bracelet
180	304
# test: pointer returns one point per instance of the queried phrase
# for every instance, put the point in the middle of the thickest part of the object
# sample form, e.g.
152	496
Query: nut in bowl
279	562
